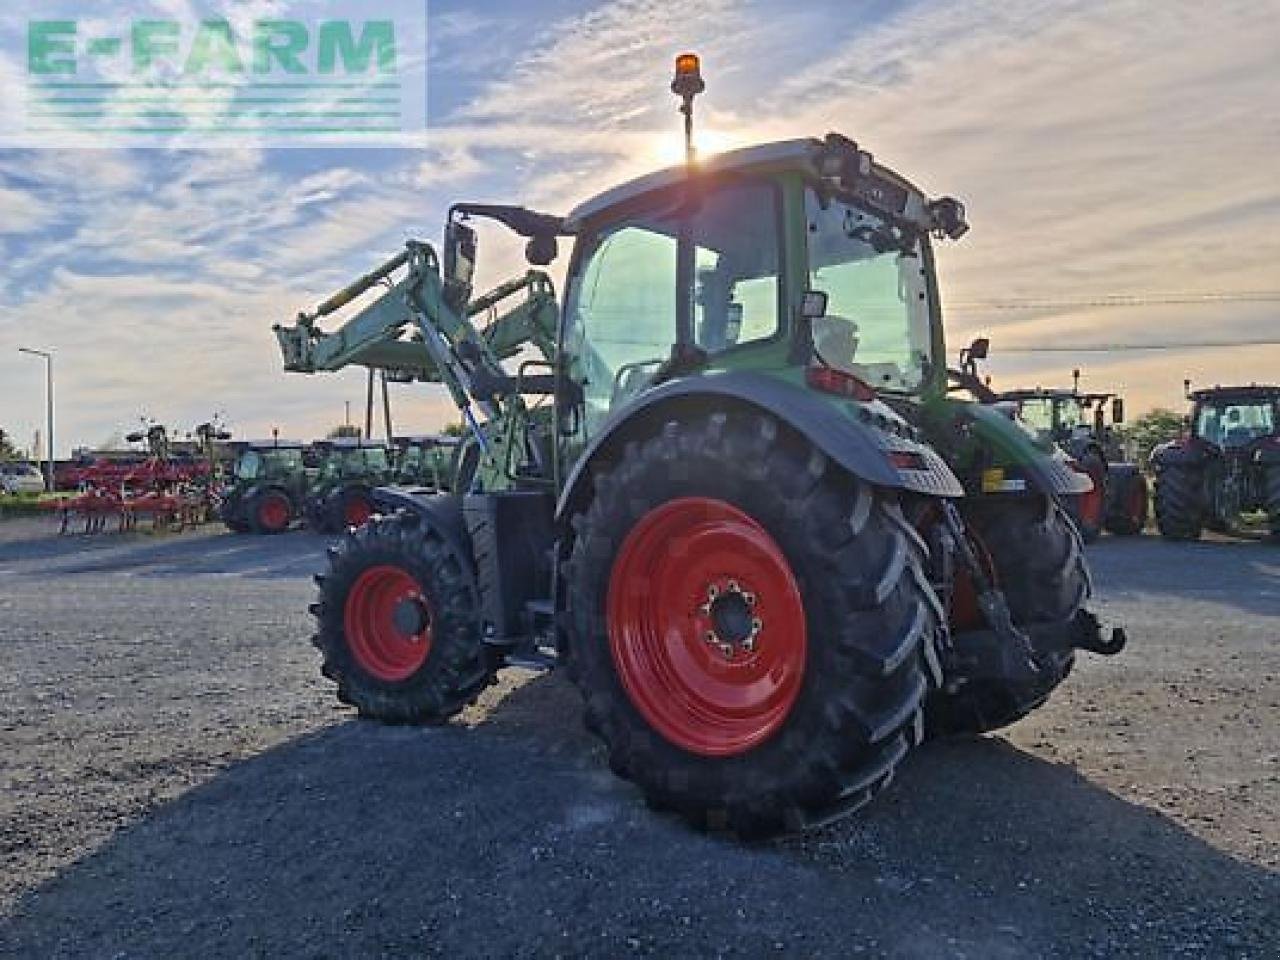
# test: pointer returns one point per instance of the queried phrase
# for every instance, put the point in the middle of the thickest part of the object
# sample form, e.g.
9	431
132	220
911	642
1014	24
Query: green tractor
737	496
341	495
426	461
1077	422
1226	464
267	488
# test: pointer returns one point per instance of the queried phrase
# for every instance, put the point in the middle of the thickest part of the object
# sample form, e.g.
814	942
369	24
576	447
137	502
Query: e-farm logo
282	73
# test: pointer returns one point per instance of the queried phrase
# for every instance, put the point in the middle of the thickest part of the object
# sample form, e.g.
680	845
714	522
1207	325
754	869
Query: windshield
877	321
1235	424
1037	414
249	466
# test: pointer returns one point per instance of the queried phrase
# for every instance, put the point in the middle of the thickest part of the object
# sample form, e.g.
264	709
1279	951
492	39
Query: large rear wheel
1179	511
398	623
749	626
1038	561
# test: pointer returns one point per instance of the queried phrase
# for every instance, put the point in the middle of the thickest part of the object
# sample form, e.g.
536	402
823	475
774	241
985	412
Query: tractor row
1225	465
329	484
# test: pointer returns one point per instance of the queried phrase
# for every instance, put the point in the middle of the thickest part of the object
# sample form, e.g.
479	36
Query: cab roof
802	153
1254	391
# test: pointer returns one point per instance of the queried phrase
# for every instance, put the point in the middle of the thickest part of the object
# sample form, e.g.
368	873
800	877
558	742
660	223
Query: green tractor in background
341	495
1077	422
426	461
731	486
1226	464
267	488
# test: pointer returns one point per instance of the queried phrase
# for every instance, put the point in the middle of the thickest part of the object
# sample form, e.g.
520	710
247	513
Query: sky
1104	148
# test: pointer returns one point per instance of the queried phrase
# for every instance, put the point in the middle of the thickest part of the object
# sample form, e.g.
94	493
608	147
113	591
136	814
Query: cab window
622	302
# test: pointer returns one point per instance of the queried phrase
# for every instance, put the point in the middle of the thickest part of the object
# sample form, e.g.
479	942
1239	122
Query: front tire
1088	510
1129	505
749	627
1179	512
1273	499
1038	560
398	623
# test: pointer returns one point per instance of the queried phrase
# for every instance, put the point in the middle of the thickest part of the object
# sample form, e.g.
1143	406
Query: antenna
688	83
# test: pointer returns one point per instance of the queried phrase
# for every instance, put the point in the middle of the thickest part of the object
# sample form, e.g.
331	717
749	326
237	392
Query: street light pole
48	393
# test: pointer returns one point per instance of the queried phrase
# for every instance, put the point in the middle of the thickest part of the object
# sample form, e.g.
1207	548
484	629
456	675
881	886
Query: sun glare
668	148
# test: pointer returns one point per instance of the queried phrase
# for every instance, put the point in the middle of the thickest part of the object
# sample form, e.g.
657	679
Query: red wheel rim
388	623
273	512
706	627
357	511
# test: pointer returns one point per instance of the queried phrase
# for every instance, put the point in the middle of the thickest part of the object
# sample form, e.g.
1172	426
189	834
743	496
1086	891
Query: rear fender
861	437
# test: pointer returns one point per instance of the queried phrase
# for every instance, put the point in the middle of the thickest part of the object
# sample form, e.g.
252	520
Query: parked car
21	478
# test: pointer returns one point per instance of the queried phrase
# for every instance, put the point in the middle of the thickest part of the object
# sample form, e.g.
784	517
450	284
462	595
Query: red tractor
1226	464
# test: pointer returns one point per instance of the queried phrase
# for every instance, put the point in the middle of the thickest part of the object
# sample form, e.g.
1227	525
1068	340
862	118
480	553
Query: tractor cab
788	257
1235	418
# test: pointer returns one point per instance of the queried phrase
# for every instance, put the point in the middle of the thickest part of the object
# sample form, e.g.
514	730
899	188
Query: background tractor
341	495
1226	464
1077	422
725	486
268	487
426	461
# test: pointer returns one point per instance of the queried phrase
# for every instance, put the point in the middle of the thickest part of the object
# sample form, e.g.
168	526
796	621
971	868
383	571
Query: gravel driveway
177	781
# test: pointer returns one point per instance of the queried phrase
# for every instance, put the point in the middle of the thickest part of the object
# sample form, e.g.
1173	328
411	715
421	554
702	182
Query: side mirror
542	250
813	305
979	349
459	263
1117	410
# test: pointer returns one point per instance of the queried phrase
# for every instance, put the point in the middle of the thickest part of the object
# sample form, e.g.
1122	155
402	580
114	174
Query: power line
1116	347
1121	300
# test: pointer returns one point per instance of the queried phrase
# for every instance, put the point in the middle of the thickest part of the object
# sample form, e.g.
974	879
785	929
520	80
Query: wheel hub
732	625
410	617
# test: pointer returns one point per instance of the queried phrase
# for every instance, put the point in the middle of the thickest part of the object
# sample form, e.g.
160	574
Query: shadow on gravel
192	553
1238	573
511	838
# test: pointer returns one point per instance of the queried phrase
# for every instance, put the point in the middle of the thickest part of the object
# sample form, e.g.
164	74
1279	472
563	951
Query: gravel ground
176	780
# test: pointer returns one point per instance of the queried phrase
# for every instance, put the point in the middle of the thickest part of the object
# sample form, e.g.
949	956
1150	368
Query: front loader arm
413	332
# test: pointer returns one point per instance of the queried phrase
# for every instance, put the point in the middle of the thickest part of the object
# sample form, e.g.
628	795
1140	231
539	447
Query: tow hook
1087	634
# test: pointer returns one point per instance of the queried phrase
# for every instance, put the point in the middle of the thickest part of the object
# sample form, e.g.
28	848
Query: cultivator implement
160	492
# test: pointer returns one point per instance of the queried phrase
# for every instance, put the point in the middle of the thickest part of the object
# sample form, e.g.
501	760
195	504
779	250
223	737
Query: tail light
838	382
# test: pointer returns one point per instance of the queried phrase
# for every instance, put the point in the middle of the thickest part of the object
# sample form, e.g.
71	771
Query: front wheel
749	627
398	623
1129	503
1273	499
1038	562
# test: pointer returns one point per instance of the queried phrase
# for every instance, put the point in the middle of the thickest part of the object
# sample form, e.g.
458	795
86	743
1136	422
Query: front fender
441	511
988	444
863	438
